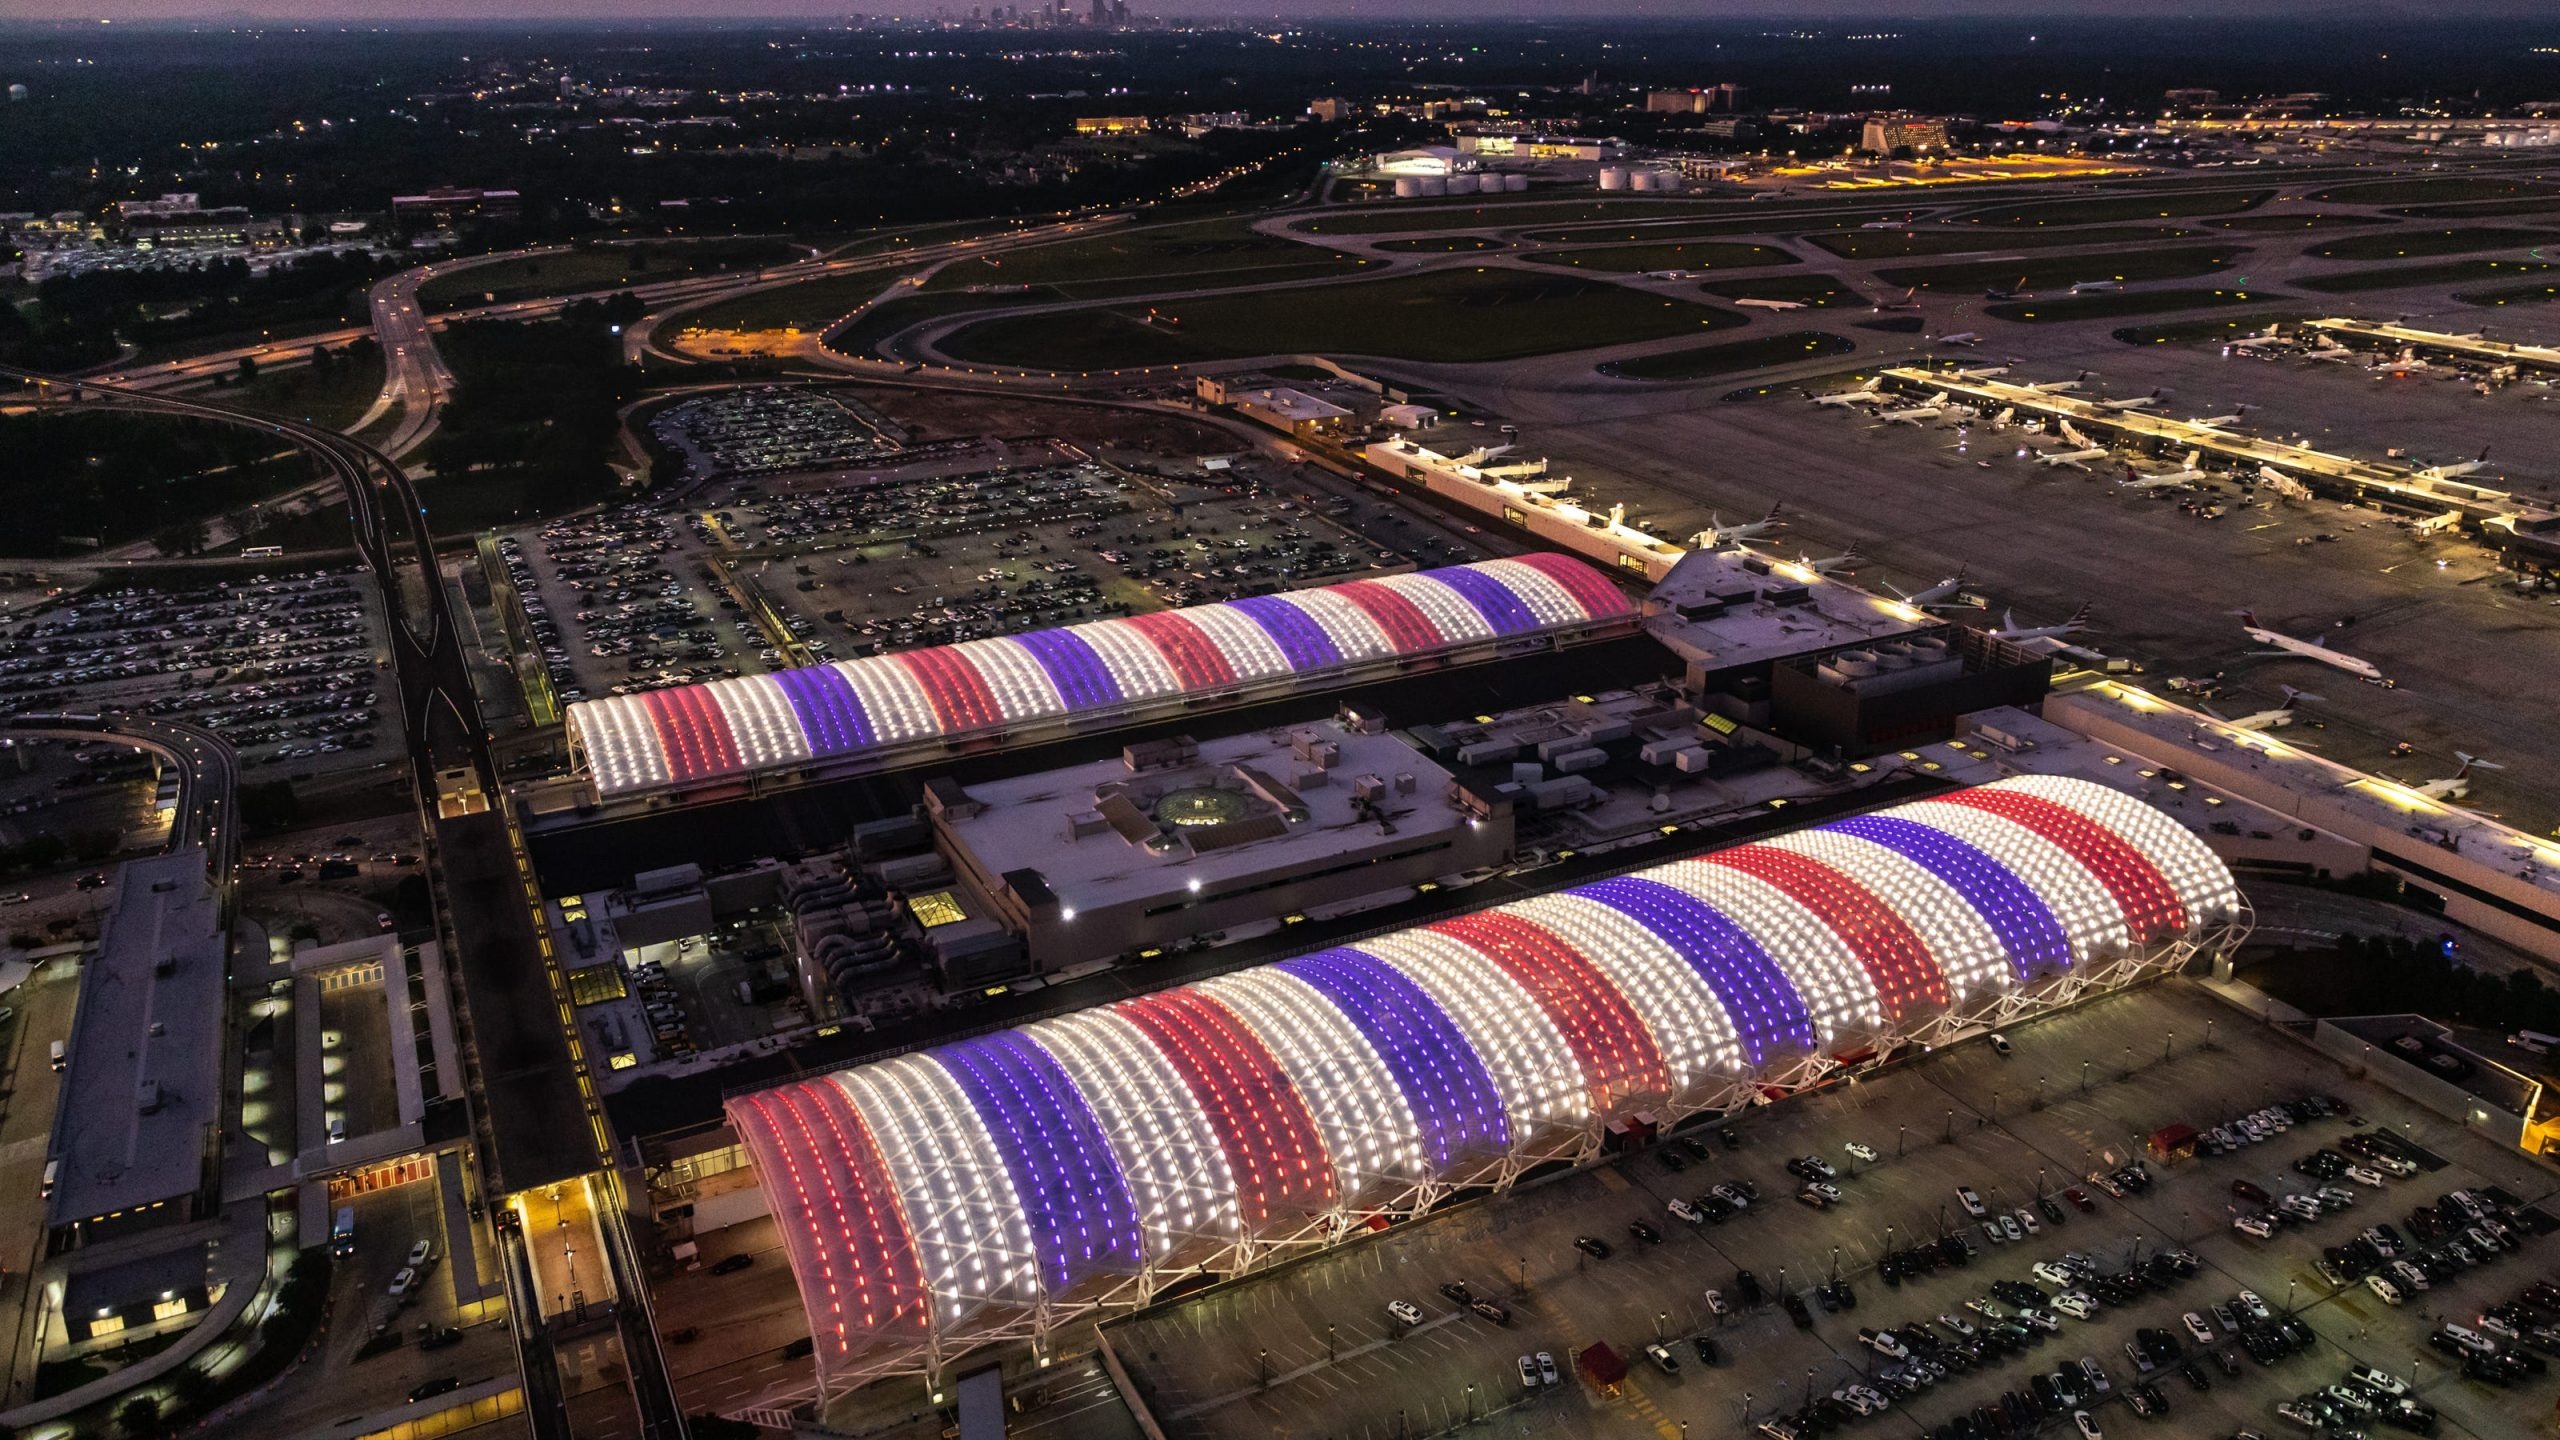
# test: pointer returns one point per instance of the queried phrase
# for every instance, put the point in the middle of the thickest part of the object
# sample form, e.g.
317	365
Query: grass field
2316	220
1450	316
889	317
2436	189
2067	270
2183	332
2402	244
333	399
2510	295
806	306
1749	220
1898	244
1693	255
1441	244
1392	217
2397	277
2117	208
2124	302
1814	291
601	267
1699	362
2487	209
1197	249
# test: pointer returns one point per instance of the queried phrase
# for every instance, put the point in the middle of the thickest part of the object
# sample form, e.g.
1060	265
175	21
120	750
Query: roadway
208	777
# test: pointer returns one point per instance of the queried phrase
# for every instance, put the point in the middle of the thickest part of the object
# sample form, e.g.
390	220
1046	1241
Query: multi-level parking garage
1085	676
994	1188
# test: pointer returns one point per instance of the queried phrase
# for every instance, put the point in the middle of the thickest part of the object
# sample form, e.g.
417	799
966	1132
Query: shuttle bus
342	1234
2533	1041
262	552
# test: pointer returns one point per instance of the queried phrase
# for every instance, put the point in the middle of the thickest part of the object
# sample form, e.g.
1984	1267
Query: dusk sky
2384	11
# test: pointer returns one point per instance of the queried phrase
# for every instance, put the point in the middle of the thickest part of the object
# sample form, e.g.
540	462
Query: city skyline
1242	11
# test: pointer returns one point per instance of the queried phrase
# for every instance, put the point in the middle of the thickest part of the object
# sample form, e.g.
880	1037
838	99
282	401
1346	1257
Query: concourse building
993	1188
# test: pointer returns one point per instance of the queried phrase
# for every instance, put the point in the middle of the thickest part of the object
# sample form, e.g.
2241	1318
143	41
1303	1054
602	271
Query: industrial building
997	1187
917	703
1291	412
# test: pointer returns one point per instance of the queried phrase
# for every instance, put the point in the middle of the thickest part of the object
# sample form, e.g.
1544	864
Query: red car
2080	1197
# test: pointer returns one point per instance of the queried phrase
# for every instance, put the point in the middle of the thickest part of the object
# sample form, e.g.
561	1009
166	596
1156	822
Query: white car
1972	1203
1683	1210
1717	1304
420	1253
2257	1309
1827	1192
2009	1224
2389	1292
2052	1274
2255	1225
1547	1368
2087	1427
1528	1373
1992	1233
2365	1175
2027	1218
2381	1381
2074	1304
1860	1152
2409	1277
1404	1312
1849	1396
404	1282
2198	1326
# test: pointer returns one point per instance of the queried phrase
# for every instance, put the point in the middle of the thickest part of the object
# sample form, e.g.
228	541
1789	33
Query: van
52	1173
61	1056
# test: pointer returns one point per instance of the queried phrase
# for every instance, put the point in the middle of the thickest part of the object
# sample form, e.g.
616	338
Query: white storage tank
1643	180
1667	181
1432	184
1462	184
1408	186
1613	177
1515	182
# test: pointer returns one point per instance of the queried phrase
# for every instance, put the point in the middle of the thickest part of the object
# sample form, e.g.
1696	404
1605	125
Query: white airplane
1910	301
2437	524
2407	359
2457	784
1945	595
2138	402
1848	559
1967	338
1718	535
1770	304
2272	335
2275	719
2094	287
1981	372
2071	433
2231	419
2010	629
1668	274
2314	649
2186	474
2327	348
2073	459
1864	395
2453	471
1930	409
2056	386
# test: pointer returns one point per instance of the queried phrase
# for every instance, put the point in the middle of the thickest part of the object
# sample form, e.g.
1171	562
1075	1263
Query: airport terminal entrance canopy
996	1186
684	735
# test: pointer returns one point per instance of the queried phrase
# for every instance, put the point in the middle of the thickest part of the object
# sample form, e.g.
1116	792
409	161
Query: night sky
2382	11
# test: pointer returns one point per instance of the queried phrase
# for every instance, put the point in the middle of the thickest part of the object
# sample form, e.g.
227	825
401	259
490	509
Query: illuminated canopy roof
931	1196
693	733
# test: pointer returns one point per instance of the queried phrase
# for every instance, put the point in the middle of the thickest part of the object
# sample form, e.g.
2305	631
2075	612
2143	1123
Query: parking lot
613	604
776	429
1311	1349
284	667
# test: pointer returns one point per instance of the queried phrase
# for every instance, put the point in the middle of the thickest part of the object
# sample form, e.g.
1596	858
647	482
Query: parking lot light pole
2039	1101
1523	1287
2289	1286
1262	1364
2084	1077
1329	1356
2208	1034
1660	1319
1901	1134
1951	1128
2166	1041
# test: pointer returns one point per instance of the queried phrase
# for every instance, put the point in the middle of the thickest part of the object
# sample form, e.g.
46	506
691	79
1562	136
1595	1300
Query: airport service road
1203	1364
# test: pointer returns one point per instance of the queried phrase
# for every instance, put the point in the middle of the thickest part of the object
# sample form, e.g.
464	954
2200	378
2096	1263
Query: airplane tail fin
2079	618
2249	619
2291	696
